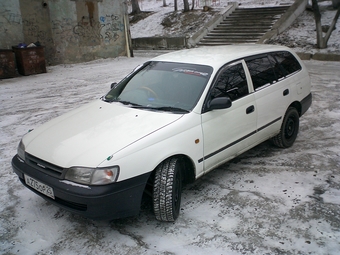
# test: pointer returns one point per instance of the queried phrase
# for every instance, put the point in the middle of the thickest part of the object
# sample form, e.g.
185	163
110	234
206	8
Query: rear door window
261	71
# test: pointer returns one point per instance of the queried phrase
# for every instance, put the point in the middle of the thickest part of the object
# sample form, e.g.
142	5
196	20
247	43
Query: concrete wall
159	43
70	30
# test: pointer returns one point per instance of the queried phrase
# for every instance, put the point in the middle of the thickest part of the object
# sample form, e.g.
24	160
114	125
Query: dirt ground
266	201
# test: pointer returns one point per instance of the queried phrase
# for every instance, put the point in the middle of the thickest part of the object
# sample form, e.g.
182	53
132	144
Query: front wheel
289	129
167	190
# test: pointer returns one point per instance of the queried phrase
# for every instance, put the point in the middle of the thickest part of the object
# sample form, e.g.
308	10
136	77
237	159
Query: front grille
44	166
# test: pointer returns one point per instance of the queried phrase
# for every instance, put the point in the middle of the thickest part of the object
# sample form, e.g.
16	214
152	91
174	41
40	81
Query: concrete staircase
244	25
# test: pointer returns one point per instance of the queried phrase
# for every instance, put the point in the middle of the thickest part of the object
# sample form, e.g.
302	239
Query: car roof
217	56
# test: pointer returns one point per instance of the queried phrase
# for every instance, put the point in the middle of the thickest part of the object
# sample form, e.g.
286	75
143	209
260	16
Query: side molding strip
237	141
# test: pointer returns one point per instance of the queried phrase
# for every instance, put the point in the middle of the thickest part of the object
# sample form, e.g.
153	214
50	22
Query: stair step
245	13
230	40
241	22
277	8
240	28
240	33
218	30
251	13
232	36
254	27
221	43
251	17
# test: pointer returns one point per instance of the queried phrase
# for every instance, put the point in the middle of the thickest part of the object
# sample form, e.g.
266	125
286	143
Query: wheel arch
188	171
188	167
297	106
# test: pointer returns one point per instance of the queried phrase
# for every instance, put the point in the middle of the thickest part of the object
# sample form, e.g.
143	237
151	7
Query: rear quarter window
287	61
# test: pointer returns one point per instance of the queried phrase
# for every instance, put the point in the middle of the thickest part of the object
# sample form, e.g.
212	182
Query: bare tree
193	4
186	6
135	7
321	40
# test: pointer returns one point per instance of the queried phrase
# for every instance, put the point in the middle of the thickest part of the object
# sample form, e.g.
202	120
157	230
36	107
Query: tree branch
331	28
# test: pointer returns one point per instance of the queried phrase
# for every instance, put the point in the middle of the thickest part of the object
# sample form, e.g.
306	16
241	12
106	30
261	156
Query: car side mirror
113	85
219	103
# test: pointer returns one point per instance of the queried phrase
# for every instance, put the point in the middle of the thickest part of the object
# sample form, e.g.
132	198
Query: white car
170	121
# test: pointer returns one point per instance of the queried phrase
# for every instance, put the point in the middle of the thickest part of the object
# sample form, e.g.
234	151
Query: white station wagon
170	121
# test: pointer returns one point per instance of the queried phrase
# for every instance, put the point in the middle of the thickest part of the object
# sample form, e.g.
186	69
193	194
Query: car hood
91	133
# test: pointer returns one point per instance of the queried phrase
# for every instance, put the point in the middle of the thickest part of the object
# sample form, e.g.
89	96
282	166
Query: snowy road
266	201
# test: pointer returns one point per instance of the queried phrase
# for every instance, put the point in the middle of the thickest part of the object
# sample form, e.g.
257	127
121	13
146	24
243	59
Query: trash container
30	60
7	64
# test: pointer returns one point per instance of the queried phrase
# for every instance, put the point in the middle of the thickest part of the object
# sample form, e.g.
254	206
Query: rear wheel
167	190
289	129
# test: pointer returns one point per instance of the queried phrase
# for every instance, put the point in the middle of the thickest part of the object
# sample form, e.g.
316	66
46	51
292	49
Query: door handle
250	109
285	92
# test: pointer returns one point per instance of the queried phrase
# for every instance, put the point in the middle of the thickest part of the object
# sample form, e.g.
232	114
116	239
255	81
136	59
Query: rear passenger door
228	132
272	93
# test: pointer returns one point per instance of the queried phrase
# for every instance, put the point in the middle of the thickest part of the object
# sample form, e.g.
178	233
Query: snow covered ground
266	201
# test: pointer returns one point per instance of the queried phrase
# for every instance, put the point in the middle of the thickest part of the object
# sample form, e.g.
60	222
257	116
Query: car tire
289	129
167	190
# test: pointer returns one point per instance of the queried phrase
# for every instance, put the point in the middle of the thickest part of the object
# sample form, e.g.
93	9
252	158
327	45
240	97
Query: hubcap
290	127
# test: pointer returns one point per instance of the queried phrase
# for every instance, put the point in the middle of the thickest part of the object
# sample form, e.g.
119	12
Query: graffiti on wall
112	26
8	19
105	30
35	30
63	29
89	30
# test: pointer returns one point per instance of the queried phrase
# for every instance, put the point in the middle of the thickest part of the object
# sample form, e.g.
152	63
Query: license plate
38	186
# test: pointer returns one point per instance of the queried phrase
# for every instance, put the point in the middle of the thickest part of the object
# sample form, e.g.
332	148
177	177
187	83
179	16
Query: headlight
93	176
21	150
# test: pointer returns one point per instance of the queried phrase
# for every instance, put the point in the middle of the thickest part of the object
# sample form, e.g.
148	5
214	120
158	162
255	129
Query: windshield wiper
130	103
161	108
169	109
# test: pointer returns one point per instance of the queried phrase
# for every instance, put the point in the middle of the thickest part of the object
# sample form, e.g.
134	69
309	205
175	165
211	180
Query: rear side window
261	71
269	68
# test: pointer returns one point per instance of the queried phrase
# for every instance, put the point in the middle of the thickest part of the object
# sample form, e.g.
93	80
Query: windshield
162	86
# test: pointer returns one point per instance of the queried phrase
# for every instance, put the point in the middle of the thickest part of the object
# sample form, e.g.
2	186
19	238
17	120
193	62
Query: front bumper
112	201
